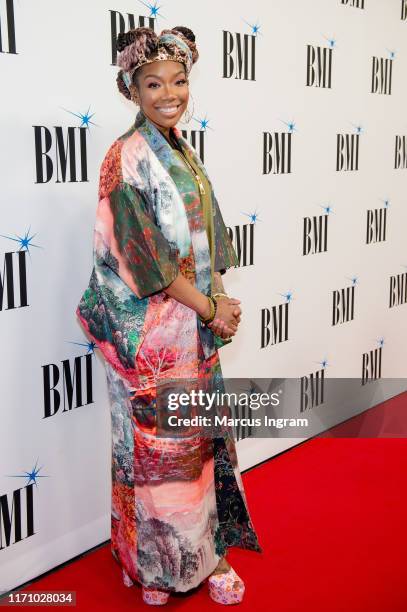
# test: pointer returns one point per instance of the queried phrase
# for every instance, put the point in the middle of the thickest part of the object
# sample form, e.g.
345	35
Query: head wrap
146	47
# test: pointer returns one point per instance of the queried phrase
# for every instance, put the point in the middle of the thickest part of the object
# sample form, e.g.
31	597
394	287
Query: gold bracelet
215	295
212	313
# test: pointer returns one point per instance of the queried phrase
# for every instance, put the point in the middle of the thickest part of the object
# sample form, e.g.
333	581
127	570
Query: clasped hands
227	317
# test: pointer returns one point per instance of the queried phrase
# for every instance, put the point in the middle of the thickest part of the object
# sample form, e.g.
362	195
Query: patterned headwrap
143	46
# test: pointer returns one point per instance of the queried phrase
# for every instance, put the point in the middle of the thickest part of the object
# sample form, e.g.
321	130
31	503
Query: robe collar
154	136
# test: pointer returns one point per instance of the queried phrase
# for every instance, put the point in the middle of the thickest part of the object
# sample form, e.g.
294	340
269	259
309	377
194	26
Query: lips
168	110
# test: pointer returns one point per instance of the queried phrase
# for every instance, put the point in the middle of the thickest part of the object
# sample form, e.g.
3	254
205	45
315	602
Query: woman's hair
141	44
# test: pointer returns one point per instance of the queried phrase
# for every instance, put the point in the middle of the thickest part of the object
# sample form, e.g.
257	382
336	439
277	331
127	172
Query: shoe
155	597
221	587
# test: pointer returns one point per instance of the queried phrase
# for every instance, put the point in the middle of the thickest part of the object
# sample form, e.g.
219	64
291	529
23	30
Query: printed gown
178	501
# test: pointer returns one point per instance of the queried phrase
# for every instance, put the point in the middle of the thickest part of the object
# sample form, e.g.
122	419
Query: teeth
168	110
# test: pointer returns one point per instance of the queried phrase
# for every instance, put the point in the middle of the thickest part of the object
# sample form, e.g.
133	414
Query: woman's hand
227	313
227	317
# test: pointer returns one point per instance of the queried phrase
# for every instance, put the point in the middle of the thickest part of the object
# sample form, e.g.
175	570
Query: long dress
178	501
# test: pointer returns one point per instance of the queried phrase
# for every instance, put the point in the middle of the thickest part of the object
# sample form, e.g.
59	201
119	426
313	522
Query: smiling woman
162	91
157	310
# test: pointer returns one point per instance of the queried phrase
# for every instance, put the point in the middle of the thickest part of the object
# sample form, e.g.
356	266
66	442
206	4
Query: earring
189	114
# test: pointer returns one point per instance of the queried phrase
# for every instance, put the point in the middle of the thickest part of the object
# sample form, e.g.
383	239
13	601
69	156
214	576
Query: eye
151	84
183	81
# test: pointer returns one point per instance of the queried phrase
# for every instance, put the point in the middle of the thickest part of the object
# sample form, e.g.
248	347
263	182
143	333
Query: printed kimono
178	502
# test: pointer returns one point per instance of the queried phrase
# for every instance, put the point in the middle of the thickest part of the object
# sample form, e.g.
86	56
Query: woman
157	310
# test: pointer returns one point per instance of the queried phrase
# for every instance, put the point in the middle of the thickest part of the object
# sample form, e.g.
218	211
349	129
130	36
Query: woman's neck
172	139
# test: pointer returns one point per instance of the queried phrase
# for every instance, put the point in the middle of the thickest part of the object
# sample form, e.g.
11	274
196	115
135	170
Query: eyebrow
155	76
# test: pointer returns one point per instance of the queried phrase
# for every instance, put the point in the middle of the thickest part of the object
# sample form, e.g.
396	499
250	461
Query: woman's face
163	92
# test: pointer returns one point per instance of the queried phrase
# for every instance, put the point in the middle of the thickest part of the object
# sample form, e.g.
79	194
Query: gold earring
189	114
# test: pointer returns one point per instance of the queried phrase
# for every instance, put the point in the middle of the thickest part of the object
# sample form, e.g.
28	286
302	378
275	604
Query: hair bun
189	37
186	32
124	40
135	44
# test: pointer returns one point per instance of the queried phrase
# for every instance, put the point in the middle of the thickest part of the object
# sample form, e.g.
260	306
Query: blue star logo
380	342
24	241
326	209
391	53
255	28
354	280
153	8
358	128
31	476
386	203
290	125
288	296
203	123
90	346
85	118
324	363
331	42
254	217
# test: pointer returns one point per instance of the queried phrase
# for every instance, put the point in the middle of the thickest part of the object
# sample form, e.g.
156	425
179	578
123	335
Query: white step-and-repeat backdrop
299	116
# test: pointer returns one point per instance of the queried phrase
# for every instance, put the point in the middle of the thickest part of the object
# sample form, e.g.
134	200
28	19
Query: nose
168	92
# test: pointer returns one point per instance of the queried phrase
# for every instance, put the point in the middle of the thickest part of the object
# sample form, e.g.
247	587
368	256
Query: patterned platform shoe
223	590
155	597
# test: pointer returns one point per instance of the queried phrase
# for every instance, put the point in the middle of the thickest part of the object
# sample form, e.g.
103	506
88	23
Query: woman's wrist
204	307
212	313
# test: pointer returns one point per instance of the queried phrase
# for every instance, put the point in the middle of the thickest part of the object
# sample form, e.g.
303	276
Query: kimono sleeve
145	260
225	254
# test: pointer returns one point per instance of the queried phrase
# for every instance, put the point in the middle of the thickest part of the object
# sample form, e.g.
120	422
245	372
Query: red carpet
331	515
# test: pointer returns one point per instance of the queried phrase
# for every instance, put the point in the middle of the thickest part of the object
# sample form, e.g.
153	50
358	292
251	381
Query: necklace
197	177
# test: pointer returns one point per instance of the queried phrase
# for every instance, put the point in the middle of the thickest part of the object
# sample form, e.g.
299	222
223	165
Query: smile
168	110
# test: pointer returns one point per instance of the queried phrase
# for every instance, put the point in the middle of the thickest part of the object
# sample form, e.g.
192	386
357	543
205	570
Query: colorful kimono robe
178	501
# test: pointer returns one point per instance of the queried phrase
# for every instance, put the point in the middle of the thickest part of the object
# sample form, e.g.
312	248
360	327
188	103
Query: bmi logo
347	150
240	411
315	233
372	363
242	237
319	65
7	27
69	383
274	323
343	304
382	69
197	137
277	150
120	23
398	289
356	3
312	388
17	509
61	152
376	223
400	154
13	274
239	54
